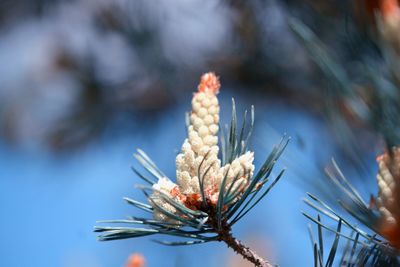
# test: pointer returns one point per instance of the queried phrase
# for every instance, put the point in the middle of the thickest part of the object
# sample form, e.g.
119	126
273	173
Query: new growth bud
198	160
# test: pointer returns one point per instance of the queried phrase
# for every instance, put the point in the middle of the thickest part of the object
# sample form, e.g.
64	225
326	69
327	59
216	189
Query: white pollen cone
388	201
200	149
199	156
166	187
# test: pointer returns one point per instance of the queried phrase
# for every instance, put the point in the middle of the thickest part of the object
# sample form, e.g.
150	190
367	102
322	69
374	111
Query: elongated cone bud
202	141
198	161
199	157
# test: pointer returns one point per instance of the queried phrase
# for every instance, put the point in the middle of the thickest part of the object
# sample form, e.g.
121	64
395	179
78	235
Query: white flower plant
210	194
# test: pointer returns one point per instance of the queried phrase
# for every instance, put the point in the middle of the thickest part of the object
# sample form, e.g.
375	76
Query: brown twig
243	250
225	235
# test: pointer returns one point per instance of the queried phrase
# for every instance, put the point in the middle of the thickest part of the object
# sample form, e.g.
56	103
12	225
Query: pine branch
208	198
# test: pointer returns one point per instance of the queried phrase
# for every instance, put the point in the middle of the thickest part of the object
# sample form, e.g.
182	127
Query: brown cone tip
209	82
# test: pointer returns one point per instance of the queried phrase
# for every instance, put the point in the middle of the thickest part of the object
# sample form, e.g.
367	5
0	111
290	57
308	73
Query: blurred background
84	83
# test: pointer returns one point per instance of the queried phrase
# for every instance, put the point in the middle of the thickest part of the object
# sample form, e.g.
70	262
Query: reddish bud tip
209	82
389	8
136	260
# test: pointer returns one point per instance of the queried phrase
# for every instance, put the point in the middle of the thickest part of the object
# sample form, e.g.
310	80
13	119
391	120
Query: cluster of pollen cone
388	201
198	160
